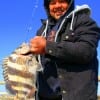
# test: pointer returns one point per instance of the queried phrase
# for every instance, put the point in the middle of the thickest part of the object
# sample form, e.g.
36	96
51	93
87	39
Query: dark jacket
70	63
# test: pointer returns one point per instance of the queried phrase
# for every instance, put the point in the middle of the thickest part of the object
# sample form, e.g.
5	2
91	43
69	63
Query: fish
19	71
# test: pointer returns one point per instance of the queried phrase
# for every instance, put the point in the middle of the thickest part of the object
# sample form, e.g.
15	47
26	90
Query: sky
20	19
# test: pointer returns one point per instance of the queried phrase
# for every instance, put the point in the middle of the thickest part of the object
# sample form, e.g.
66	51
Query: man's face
58	8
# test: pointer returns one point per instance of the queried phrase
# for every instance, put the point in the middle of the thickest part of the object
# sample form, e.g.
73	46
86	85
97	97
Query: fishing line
29	26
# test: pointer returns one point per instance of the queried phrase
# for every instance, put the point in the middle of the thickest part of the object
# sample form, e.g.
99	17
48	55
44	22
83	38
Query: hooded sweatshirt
46	6
48	83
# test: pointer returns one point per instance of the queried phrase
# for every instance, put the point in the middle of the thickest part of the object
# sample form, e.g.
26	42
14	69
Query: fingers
36	38
36	41
37	44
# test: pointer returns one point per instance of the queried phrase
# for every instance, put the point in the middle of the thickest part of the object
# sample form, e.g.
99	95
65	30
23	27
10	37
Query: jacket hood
46	6
69	14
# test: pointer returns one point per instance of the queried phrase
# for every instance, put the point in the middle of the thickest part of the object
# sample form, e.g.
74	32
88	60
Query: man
67	43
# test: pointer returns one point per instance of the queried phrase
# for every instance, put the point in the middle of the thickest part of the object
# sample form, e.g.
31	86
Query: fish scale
19	73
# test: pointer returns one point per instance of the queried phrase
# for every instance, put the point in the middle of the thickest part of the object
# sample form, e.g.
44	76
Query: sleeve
83	49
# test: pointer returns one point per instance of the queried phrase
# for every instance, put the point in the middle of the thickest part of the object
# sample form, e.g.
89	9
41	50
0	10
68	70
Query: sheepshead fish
19	71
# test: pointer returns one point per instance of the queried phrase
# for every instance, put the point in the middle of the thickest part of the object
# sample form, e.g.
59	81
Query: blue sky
20	19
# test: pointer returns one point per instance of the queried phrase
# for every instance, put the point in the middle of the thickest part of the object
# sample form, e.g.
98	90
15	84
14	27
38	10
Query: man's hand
37	45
